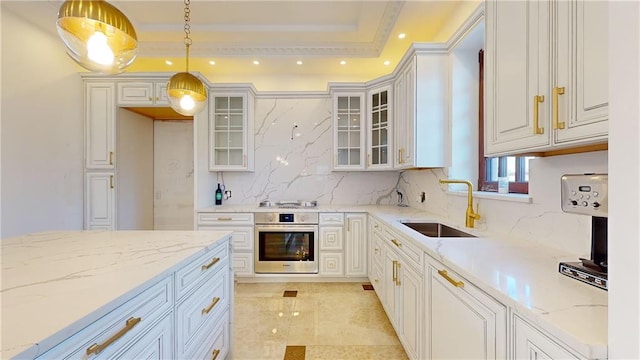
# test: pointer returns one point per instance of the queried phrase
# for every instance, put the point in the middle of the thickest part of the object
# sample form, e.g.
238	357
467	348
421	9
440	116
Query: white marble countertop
56	283
520	274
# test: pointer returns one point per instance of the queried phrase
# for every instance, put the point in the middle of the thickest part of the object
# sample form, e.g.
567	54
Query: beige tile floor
332	320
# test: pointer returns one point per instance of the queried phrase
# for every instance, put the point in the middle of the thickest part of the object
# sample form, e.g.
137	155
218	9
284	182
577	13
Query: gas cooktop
292	204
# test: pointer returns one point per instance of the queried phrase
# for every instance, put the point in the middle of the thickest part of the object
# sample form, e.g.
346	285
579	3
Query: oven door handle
286	228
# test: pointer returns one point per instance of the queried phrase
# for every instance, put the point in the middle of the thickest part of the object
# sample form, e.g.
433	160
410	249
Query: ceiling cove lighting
402	36
187	94
97	35
343	62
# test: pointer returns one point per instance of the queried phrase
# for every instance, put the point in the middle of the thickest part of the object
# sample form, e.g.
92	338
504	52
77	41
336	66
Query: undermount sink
433	229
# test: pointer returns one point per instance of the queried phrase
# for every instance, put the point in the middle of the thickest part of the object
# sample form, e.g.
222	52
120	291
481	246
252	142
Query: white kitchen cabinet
331	244
376	257
546	84
460	313
100	201
355	244
380	128
348	130
100	125
151	92
421	124
403	294
156	344
533	344
231	136
243	237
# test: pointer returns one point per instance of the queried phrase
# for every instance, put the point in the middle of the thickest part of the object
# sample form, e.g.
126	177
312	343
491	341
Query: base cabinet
154	345
531	343
355	244
243	237
459	313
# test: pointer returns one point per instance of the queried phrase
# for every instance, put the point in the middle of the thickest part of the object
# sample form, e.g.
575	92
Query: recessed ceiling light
299	62
211	62
343	62
387	62
168	62
402	36
256	62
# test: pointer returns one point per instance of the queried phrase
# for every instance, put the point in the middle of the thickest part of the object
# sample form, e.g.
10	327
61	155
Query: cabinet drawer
376	225
218	349
331	264
242	238
190	275
331	238
148	306
225	219
332	219
156	344
196	314
404	247
376	250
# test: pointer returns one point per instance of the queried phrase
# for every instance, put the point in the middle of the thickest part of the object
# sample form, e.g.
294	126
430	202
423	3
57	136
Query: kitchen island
66	293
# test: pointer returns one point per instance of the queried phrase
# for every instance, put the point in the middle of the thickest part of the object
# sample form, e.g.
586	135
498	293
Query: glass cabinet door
349	139
228	132
379	136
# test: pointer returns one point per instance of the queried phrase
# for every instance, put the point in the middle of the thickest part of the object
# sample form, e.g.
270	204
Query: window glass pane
526	167
511	168
492	169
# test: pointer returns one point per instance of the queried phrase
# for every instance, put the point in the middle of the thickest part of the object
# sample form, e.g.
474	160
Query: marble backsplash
294	163
541	221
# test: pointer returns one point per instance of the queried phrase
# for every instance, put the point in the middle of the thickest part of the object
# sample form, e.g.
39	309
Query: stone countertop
520	274
56	283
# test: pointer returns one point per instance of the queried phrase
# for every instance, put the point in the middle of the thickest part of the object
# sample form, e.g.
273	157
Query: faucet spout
470	216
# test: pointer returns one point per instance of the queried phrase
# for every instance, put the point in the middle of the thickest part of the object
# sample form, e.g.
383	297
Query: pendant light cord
187	29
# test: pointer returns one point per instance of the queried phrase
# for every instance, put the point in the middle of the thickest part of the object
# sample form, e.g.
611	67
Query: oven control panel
585	194
286	218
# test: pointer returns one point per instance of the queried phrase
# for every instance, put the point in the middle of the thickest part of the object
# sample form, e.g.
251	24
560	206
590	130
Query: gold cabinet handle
444	274
556	92
393	273
96	348
206	310
396	242
215	354
150	98
110	157
225	219
376	250
376	226
537	99
111	181
398	273
209	265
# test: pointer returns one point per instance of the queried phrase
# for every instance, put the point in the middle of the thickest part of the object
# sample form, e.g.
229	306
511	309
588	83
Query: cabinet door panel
100	201
464	315
157	344
412	311
331	238
530	343
356	245
518	47
331	264
100	125
135	93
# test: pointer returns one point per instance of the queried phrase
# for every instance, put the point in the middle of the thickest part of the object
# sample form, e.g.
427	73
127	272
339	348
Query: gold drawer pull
213	262
111	181
376	226
444	274
110	157
215	354
97	348
393	273
206	310
397	273
225	219
396	242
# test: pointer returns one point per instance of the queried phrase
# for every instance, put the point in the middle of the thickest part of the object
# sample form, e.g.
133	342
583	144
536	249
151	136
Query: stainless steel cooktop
291	204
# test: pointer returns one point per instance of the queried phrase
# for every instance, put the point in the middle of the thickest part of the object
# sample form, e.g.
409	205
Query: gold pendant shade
97	35
187	94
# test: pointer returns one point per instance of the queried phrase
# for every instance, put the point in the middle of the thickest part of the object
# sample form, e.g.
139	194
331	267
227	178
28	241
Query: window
515	168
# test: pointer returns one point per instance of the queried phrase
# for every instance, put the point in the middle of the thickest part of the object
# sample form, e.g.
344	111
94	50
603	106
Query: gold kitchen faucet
471	216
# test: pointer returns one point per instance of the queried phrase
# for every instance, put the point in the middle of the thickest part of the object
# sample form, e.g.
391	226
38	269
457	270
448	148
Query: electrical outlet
421	197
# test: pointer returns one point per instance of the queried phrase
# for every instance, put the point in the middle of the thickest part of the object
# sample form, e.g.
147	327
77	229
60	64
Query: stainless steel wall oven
286	243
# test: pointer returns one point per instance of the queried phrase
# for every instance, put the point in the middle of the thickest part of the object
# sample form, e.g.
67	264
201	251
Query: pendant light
97	35
187	94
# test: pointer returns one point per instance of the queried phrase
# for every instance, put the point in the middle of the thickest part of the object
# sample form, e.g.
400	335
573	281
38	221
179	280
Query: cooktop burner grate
297	204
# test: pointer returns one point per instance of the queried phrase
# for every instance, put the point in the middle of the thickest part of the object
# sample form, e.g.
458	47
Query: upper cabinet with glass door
379	134
348	131
231	131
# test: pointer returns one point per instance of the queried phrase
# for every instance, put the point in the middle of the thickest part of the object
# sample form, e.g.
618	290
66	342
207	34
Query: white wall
173	175
624	177
304	169
134	178
42	132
